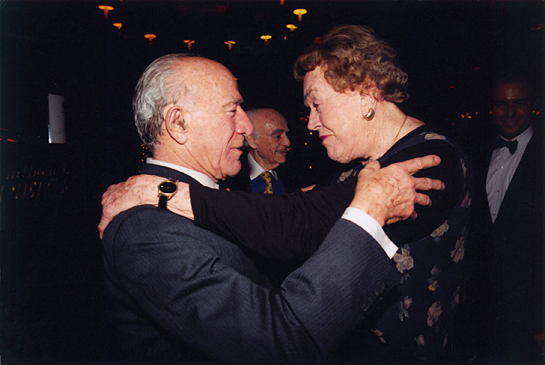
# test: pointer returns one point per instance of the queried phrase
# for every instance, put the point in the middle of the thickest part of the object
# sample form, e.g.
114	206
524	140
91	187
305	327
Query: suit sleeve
188	290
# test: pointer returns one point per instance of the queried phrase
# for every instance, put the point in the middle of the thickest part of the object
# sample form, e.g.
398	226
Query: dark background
50	254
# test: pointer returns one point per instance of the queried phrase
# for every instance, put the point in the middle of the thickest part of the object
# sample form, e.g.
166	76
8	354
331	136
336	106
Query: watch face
167	187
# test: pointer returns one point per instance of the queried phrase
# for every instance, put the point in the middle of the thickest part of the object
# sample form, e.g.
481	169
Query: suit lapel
528	167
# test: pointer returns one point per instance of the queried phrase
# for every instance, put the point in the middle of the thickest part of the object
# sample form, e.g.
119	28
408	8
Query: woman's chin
338	158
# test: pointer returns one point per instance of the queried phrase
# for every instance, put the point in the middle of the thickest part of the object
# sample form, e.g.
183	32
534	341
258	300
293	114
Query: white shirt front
502	167
256	169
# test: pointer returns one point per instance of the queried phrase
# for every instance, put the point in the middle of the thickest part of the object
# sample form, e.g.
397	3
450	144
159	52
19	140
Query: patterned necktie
511	145
267	177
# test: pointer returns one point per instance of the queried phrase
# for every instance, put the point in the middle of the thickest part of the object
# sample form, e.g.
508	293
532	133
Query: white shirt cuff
372	227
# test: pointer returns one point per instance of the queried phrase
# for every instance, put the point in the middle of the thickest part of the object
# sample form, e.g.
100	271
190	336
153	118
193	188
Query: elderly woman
352	84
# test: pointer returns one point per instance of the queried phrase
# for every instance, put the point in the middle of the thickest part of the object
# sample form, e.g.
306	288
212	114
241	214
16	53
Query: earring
370	114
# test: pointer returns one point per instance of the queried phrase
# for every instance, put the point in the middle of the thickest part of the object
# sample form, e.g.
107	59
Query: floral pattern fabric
416	318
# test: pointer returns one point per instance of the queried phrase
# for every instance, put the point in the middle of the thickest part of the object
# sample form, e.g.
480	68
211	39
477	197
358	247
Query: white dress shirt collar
199	176
256	169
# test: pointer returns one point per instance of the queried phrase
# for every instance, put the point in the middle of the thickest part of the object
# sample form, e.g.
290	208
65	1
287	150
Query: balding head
187	110
269	141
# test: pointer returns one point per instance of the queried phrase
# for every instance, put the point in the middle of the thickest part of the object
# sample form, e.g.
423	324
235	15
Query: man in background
269	145
513	179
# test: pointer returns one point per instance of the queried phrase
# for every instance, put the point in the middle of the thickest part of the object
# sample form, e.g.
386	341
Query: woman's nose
313	120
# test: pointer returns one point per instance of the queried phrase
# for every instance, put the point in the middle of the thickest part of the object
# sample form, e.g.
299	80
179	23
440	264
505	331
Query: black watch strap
163	202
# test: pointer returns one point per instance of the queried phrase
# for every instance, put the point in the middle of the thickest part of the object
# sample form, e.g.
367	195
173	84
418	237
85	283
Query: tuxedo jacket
178	293
514	242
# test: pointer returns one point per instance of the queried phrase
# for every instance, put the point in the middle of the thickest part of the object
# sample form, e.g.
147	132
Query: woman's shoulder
425	141
454	170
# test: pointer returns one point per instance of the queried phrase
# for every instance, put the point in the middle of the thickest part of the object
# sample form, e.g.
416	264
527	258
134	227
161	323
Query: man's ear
175	125
250	138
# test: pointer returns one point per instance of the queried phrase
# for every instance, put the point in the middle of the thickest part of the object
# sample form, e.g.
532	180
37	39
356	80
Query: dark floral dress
416	319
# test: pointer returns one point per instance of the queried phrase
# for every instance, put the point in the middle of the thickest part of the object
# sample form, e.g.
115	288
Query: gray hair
155	90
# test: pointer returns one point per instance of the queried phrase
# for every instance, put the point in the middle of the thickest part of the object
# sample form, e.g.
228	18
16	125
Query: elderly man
269	144
176	292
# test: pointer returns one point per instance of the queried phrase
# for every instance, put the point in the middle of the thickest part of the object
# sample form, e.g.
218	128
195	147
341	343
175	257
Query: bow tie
500	142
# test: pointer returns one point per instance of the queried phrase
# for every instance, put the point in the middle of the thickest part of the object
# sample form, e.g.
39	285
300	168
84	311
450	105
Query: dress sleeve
283	226
288	226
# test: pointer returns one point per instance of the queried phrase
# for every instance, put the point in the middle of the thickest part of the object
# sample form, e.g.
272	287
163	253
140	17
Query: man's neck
266	166
527	132
179	156
197	175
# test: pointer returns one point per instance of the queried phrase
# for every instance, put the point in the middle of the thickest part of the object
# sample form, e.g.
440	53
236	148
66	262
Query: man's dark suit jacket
514	243
176	292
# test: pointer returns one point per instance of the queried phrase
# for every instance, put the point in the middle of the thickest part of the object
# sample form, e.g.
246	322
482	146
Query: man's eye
499	104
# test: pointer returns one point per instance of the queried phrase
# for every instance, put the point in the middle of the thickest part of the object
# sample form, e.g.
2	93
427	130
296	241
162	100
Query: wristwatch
166	190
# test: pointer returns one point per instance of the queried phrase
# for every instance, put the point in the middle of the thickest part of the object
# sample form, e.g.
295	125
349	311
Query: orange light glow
291	27
189	43
266	38
117	25
230	44
106	9
300	13
150	37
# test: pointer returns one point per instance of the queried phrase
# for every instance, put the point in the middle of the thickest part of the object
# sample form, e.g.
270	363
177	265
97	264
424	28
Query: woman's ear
369	94
175	125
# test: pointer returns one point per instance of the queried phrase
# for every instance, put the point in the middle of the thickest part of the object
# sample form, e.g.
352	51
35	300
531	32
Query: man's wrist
181	202
371	211
371	226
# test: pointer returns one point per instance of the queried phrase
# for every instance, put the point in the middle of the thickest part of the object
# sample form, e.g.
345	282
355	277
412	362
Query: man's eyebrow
234	102
506	101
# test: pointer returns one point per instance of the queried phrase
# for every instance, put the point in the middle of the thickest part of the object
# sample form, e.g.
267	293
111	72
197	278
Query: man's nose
510	109
243	126
286	141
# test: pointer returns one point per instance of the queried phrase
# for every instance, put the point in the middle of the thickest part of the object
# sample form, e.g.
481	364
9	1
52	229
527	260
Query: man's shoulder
144	219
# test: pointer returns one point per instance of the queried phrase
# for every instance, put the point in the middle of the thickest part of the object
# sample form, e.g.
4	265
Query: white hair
155	90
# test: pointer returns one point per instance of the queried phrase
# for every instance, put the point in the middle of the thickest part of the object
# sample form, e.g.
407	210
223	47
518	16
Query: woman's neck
391	125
